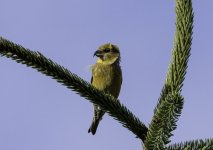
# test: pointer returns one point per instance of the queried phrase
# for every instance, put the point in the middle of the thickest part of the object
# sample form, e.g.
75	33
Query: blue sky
37	113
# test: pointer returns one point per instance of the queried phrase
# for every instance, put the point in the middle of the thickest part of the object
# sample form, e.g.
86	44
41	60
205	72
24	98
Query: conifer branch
181	51
163	123
62	75
206	144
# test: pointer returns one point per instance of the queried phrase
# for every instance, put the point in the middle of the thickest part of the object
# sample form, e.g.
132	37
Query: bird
106	76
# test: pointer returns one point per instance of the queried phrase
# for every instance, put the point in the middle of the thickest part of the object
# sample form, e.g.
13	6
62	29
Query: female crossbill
106	76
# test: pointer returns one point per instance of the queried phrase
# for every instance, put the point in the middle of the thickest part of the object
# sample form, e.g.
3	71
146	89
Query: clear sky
37	113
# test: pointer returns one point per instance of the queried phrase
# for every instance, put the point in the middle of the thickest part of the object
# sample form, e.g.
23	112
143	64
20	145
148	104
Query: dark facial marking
106	50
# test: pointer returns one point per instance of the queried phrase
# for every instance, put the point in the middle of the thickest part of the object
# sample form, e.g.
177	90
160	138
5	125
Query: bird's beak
98	54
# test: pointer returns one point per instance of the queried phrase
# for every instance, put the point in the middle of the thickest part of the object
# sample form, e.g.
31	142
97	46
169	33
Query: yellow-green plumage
106	76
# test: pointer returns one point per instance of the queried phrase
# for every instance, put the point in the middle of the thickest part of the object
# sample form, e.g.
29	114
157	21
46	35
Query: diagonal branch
163	122
206	144
46	66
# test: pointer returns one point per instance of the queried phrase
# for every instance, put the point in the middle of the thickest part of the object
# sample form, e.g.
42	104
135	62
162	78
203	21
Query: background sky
37	113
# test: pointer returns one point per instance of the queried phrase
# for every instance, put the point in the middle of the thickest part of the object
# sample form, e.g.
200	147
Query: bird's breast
107	77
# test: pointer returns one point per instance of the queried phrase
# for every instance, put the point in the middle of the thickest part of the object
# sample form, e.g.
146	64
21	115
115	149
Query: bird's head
108	54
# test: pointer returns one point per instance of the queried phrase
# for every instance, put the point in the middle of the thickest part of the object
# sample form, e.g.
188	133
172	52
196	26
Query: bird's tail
94	126
98	114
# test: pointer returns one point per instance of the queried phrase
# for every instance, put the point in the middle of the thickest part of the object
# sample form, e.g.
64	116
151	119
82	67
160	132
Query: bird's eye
107	50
